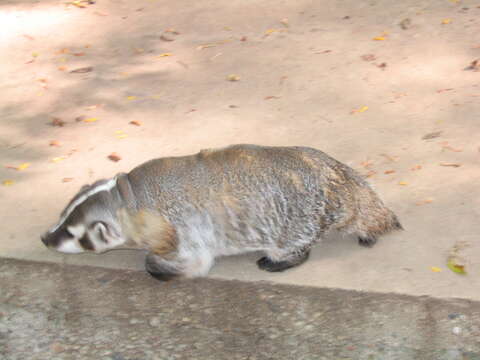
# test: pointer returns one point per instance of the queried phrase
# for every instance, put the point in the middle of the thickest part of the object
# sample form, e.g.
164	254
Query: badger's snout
44	239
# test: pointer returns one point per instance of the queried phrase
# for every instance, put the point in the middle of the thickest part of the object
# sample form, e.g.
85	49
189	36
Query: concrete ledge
54	311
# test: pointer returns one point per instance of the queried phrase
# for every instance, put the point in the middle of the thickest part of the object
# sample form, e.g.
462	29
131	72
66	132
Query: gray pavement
55	311
308	71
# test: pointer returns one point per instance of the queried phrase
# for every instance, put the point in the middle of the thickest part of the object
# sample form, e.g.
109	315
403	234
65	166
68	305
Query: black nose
44	239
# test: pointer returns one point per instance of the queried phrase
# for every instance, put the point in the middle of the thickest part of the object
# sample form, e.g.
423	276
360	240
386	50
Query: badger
186	211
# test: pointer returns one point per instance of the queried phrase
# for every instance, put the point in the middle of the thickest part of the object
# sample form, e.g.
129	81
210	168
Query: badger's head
89	222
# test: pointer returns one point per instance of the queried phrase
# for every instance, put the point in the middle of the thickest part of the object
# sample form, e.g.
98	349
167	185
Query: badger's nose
44	240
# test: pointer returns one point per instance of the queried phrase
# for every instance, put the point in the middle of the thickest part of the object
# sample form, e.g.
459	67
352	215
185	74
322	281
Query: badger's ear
106	233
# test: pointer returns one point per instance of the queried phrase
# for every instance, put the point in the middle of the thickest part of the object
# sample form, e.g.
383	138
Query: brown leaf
368	57
424	201
82	70
451	164
57	122
114	157
79	54
382	66
366	164
416	167
389	172
443	90
405	23
54	143
135	122
370	173
271	97
474	65
67	179
243	38
233	77
166	37
432	135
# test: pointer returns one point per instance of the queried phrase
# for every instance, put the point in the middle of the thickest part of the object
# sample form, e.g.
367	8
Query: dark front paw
162	276
367	241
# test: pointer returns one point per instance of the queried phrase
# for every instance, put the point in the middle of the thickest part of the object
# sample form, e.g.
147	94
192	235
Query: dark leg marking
159	271
276	266
367	241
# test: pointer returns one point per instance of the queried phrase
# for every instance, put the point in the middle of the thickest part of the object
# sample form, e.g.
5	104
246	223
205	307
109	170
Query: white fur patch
70	247
77	231
104	187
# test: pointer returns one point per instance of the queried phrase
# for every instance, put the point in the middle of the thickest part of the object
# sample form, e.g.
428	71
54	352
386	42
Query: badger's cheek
70	247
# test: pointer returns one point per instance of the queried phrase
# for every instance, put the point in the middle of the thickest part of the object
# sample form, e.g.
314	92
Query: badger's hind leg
276	261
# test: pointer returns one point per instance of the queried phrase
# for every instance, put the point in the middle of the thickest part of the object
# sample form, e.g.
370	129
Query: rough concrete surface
54	311
307	72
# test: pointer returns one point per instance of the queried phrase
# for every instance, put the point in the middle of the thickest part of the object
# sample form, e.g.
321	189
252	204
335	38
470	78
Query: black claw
162	276
266	264
366	241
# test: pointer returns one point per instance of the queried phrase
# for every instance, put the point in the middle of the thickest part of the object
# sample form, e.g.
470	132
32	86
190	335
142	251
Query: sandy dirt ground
384	86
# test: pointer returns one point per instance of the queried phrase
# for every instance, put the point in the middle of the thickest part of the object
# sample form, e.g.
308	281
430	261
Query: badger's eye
68	233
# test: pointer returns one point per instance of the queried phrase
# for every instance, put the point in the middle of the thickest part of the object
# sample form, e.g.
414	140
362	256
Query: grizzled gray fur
188	210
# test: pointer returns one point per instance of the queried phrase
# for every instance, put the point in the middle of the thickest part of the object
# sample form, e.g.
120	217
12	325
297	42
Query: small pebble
456	330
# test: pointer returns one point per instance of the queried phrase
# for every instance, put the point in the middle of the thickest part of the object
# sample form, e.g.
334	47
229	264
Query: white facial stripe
70	247
104	187
77	231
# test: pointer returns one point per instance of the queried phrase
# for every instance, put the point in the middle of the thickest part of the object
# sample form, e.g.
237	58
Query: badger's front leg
161	268
191	265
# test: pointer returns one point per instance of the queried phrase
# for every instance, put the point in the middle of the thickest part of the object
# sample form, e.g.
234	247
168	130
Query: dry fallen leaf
165	55
444	90
135	122
82	70
67	179
79	54
361	110
57	122
58	159
435	269
366	164
54	143
114	157
446	21
271	97
370	173
90	120
424	201
405	23
455	267
389	172
403	183
379	38
19	167
7	182
416	167
451	164
474	65
233	77
243	38
382	66
432	135
62	68
131	97
368	57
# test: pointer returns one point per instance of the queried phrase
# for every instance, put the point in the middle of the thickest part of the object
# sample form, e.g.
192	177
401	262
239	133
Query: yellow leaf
271	31
89	120
7	182
58	159
119	132
363	109
446	21
456	268
435	269
122	136
233	77
379	38
35	54
23	166
131	97
165	55
403	183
